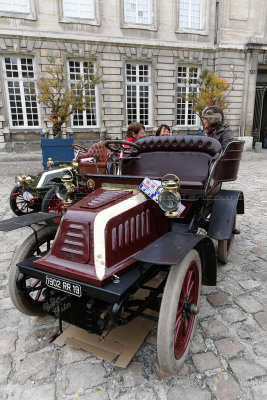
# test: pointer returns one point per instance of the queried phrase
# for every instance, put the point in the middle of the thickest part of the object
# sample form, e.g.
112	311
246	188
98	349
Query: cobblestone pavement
228	357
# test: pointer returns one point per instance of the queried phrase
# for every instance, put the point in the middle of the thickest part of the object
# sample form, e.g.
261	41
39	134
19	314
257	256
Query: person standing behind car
213	122
163	130
135	131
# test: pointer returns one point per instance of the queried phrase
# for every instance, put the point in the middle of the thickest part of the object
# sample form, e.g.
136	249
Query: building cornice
104	40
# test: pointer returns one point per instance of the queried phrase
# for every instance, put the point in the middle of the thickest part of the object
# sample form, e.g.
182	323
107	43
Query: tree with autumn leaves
212	90
62	100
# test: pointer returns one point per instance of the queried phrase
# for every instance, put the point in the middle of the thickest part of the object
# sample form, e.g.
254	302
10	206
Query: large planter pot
57	149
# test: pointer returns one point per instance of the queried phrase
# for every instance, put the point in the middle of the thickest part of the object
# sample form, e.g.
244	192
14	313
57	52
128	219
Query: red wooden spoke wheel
29	301
185	318
19	205
178	311
52	204
225	247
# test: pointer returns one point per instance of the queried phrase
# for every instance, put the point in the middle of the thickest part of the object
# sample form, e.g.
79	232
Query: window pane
79	70
19	76
190	14
137	11
137	93
187	82
20	6
78	9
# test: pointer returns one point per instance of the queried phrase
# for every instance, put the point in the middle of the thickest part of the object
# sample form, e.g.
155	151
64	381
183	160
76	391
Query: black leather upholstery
202	144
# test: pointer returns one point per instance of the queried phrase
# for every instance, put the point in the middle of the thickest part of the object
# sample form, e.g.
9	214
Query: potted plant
61	101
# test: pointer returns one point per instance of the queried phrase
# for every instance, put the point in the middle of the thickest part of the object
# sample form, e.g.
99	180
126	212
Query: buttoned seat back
99	151
187	157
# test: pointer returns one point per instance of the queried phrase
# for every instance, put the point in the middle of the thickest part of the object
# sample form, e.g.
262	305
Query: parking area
228	356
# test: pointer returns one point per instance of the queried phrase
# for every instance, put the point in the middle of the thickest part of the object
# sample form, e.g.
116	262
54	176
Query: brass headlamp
23	180
66	188
170	199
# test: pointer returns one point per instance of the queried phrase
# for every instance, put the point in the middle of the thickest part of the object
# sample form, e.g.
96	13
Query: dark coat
223	134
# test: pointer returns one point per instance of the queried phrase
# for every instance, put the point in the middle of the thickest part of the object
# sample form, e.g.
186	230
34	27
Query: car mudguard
25	220
172	247
226	205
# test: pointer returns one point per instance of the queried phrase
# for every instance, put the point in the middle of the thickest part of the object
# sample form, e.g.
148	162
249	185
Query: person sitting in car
214	126
135	131
163	130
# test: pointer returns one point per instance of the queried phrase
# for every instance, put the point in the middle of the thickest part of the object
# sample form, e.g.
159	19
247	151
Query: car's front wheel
30	300
20	203
178	311
52	204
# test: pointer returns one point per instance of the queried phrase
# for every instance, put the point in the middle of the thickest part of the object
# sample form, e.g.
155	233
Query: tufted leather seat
202	144
96	150
189	158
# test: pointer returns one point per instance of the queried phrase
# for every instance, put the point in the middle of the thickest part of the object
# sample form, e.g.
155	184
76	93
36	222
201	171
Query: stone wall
112	102
163	45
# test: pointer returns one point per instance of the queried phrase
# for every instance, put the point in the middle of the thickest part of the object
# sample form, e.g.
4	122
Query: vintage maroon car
116	239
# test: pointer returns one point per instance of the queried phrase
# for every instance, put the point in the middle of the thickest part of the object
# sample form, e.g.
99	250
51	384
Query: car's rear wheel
19	205
30	300
52	204
178	311
225	247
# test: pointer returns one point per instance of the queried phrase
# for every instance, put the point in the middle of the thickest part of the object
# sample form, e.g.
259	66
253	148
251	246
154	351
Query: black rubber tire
13	204
46	203
168	313
22	300
225	248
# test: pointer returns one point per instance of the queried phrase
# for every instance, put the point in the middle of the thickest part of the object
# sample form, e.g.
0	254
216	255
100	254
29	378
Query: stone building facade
144	49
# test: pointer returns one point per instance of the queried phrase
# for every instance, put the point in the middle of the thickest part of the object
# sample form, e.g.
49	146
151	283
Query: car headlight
28	180
61	191
66	175
23	179
169	201
19	180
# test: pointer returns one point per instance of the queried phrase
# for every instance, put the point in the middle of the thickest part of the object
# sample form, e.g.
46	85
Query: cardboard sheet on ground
121	343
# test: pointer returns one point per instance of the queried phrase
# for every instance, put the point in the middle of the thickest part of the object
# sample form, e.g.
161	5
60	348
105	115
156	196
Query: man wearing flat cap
213	122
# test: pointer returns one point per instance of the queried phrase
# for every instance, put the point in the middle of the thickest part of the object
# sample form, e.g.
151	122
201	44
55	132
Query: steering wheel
78	149
118	145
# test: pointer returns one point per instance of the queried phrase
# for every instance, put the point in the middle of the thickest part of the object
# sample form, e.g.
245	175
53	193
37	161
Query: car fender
49	175
226	205
172	247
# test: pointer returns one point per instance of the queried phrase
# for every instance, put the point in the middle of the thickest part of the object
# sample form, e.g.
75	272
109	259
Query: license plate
64	286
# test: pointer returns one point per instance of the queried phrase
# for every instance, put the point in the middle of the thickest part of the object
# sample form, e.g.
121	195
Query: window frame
20	80
150	88
152	26
89	21
97	105
186	125
31	15
204	19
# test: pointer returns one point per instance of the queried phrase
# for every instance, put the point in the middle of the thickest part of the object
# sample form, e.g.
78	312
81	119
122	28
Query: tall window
138	86
20	87
190	14
78	9
137	11
88	117
19	6
187	83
